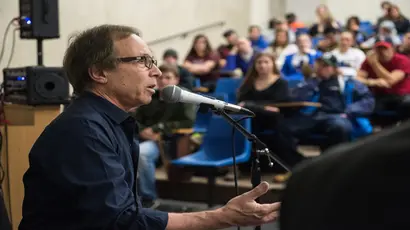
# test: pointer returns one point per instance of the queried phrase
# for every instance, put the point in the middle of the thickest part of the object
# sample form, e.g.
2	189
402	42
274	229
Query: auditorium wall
155	18
161	18
365	9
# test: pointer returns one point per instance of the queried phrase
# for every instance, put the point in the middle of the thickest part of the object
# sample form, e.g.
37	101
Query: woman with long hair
325	20
202	62
281	46
353	26
400	21
262	87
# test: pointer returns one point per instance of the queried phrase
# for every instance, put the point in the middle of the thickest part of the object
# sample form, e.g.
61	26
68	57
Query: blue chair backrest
202	119
197	83
228	86
300	31
316	40
218	140
367	28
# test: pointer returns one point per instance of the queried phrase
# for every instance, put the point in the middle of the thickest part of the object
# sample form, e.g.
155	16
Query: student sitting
344	103
155	119
241	56
305	56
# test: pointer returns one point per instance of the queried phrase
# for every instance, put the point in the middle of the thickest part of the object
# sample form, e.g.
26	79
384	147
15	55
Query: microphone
174	94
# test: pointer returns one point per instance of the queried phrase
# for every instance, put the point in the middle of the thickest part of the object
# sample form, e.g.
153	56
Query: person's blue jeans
149	153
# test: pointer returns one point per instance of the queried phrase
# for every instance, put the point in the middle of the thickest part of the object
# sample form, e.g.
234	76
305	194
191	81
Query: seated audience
258	41
387	30
185	77
336	118
155	119
330	40
387	74
325	20
350	58
353	26
293	23
404	48
400	21
231	38
281	46
203	62
261	87
241	56
306	56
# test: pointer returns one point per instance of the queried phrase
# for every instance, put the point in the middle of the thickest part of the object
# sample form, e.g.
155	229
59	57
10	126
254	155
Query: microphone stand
258	148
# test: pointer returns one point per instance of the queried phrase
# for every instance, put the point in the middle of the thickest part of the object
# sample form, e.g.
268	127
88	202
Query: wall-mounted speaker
39	19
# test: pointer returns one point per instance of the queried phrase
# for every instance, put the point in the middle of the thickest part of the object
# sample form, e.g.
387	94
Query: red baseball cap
383	42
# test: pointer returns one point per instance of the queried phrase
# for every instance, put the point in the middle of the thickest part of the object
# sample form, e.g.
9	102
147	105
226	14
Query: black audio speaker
39	19
36	85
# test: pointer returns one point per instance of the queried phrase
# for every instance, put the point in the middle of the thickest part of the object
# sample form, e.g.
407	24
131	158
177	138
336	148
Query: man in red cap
387	74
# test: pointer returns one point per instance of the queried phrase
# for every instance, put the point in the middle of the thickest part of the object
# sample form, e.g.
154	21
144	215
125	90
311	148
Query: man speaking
82	167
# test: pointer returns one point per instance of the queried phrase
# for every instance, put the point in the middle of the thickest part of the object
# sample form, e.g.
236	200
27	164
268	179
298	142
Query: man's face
254	34
384	53
166	79
304	43
232	39
323	70
384	31
282	26
132	84
406	40
332	37
346	40
170	60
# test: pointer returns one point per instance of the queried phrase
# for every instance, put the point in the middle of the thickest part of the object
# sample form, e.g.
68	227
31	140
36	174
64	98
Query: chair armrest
201	89
183	131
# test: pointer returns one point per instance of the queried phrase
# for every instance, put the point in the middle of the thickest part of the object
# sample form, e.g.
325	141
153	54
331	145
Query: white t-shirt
349	61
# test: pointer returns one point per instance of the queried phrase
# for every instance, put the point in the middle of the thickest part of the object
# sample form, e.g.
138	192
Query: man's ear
97	75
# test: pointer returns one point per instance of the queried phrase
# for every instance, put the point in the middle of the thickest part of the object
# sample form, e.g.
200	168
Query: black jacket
361	185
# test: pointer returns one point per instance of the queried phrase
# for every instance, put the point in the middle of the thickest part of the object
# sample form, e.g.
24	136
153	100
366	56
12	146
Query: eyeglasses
148	61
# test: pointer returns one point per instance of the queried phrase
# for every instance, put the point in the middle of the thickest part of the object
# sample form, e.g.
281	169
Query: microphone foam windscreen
171	93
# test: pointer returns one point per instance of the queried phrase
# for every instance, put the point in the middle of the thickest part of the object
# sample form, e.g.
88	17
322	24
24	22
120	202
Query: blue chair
367	28
228	86
202	119
216	150
300	31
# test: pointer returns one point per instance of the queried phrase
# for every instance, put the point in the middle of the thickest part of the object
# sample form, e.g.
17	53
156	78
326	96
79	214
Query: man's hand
378	83
149	134
372	57
241	104
243	210
234	50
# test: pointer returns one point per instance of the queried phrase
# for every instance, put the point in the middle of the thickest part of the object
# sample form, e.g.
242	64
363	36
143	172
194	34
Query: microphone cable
235	173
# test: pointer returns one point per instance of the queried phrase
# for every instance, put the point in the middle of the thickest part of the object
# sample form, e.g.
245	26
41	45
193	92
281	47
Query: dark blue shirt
331	96
82	172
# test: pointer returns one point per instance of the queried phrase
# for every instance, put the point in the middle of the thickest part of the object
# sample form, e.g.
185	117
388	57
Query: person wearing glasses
82	168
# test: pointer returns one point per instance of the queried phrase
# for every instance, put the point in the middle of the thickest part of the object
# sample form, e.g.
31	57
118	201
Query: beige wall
159	18
365	9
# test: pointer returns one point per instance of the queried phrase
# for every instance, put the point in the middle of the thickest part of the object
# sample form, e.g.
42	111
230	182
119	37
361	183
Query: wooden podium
25	124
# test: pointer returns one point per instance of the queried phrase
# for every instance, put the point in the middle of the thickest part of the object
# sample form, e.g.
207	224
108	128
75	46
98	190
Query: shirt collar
103	105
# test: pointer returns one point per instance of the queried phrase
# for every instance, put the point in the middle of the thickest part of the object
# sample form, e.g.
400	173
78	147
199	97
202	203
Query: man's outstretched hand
243	210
